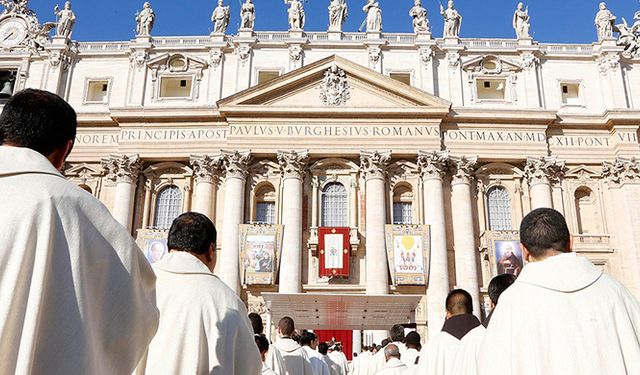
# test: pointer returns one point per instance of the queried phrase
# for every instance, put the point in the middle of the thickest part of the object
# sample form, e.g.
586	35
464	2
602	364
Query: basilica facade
297	132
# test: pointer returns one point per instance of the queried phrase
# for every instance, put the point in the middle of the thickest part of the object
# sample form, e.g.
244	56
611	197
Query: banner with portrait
333	252
505	252
153	243
408	253
260	247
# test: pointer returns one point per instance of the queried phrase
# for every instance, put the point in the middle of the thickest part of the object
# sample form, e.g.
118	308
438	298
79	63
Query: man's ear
211	254
525	253
447	316
57	157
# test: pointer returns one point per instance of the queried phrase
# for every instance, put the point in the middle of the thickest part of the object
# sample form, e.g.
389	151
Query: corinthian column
124	171
463	232
206	170
374	168
293	167
433	167
541	173
236	166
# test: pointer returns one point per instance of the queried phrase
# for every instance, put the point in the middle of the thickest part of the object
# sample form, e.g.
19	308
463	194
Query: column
236	166
373	165
206	170
137	74
466	253
148	190
357	341
293	167
540	173
124	171
433	167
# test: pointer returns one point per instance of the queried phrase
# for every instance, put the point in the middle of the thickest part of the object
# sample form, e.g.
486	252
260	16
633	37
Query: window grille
266	212
335	205
499	208
168	207
402	213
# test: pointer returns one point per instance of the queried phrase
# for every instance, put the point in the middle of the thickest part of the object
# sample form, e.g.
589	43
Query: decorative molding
374	53
334	89
293	164
433	165
463	168
216	57
206	168
373	165
122	168
453	59
236	163
426	54
243	51
608	63
529	62
138	58
622	170
544	170
295	52
176	63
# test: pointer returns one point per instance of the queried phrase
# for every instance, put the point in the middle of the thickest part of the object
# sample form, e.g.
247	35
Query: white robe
204	328
438	355
274	361
295	358
563	316
334	368
379	361
341	360
267	371
76	294
409	357
316	359
394	366
467	356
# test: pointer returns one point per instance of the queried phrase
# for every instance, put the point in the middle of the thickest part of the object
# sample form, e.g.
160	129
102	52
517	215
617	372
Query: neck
547	254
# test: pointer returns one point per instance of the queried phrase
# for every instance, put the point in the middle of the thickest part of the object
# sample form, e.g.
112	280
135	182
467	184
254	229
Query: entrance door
343	336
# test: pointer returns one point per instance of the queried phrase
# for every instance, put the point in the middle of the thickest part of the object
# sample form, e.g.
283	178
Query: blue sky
566	21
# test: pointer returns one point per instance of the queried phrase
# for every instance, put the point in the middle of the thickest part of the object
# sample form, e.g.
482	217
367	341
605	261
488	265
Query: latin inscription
332	131
495	136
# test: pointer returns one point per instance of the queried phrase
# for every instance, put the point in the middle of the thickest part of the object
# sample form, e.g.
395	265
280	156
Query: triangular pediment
335	84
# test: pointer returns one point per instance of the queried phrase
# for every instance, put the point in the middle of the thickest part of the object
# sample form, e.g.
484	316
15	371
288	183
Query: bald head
391	351
459	302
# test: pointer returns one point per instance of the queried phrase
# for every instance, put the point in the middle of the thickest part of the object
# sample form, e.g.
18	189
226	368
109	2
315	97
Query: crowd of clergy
77	296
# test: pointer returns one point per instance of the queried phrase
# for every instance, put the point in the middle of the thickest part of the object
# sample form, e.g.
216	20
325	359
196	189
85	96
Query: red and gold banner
333	251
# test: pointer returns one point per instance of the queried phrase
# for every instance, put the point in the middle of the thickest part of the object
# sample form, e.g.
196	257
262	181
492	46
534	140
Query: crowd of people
77	295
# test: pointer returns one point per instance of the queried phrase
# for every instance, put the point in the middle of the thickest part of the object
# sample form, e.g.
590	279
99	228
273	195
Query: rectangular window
266	212
570	94
97	92
175	87
491	89
401	77
7	84
402	213
267	75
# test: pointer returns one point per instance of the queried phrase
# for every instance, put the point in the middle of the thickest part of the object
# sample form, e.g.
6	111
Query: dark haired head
286	326
543	230
385	342
412	340
192	232
262	343
499	284
459	302
256	323
397	333
38	120
306	338
323	348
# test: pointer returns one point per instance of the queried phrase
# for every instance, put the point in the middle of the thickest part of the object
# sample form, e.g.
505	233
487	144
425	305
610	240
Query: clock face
12	32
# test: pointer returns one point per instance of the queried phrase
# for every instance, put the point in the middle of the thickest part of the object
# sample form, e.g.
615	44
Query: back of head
543	230
385	342
391	351
306	338
262	343
192	232
397	333
498	285
256	323
412	340
286	326
323	348
38	120
459	302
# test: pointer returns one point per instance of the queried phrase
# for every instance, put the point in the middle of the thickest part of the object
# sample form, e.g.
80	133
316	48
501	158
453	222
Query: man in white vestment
467	357
563	315
334	368
273	358
437	357
77	295
263	346
309	342
397	338
204	327
360	362
296	361
411	354
337	356
393	364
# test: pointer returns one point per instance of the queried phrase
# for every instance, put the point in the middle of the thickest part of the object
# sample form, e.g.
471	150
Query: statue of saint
337	14
66	20
521	22
419	15
220	18
604	22
452	20
296	14
145	20
247	15
374	16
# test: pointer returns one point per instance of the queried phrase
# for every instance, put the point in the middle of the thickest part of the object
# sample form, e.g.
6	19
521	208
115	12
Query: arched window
335	205
168	206
499	208
266	205
402	205
587	212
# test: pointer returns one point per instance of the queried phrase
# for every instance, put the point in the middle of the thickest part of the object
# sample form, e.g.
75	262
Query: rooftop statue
630	36
220	18
296	14
604	22
66	20
338	13
521	22
420	20
145	20
247	15
374	16
452	20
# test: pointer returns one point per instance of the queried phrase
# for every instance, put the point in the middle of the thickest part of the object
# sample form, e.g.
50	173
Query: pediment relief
583	172
83	171
167	169
176	63
490	65
499	169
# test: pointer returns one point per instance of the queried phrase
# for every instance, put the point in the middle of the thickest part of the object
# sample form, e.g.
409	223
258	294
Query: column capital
236	163
544	170
622	170
463	168
293	164
122	168
206	168
433	165
374	164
